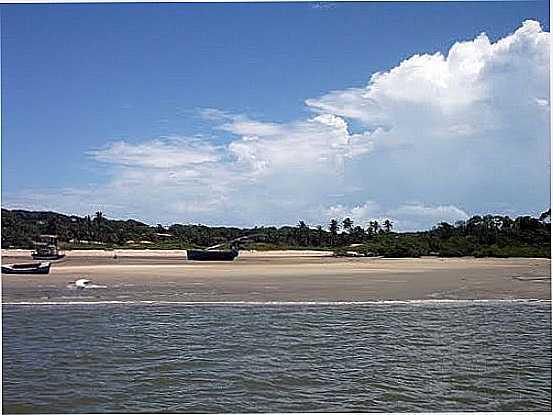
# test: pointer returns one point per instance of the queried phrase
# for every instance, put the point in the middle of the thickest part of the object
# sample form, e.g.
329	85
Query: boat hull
26	268
48	257
203	255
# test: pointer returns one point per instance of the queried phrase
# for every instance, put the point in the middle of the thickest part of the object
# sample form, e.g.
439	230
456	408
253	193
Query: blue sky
146	110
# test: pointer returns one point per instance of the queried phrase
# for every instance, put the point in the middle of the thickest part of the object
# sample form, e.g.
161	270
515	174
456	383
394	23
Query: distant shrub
456	247
513	251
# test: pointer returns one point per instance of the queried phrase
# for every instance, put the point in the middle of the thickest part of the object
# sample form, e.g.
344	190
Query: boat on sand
211	255
47	248
30	268
214	254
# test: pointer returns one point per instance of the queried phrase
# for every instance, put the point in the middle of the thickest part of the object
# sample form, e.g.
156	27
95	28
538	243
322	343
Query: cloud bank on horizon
436	138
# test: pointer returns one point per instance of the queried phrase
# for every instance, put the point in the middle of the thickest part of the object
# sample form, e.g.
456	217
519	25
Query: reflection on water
277	358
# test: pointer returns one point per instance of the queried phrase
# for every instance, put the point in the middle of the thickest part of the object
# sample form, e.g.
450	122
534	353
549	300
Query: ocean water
373	357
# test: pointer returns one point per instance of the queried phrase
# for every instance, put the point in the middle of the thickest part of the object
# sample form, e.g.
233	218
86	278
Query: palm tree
347	225
99	218
388	225
375	226
333	228
303	235
545	215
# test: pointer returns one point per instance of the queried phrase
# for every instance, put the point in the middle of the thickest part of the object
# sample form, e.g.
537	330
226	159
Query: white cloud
439	213
247	127
470	127
406	217
465	131
160	153
361	215
464	88
416	216
268	173
314	145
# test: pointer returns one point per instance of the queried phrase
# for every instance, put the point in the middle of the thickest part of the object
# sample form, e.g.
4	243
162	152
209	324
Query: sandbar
276	276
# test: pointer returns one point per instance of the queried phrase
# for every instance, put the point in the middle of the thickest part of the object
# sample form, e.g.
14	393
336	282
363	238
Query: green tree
333	228
444	230
358	234
506	223
303	233
99	221
370	231
320	234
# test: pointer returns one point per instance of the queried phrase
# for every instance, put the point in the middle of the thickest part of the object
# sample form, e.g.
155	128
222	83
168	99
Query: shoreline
257	278
157	253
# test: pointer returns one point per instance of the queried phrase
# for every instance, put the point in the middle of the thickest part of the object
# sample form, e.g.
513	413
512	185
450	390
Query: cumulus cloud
441	136
316	144
470	127
457	93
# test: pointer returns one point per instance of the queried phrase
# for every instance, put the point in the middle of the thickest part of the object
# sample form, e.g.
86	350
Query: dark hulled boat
214	254
211	255
31	268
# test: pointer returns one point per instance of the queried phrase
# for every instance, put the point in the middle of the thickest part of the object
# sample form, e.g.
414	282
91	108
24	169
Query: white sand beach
280	276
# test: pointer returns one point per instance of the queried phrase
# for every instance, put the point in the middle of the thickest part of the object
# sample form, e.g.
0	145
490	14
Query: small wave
285	303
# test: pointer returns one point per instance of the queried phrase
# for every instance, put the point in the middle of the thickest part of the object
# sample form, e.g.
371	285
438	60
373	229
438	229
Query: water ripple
441	356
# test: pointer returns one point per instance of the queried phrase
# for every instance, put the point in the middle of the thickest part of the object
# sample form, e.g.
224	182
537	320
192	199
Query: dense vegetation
489	235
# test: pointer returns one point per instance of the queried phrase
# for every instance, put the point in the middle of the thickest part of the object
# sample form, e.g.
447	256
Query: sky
270	113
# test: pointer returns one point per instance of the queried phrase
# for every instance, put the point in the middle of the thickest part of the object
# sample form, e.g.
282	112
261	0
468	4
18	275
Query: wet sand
290	276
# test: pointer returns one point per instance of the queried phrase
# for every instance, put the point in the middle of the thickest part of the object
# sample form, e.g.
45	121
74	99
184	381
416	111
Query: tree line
489	235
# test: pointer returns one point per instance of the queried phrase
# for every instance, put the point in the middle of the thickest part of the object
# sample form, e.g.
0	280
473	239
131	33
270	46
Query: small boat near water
31	268
214	254
211	255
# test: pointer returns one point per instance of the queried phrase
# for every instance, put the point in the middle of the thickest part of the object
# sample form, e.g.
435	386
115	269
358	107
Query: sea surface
372	357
